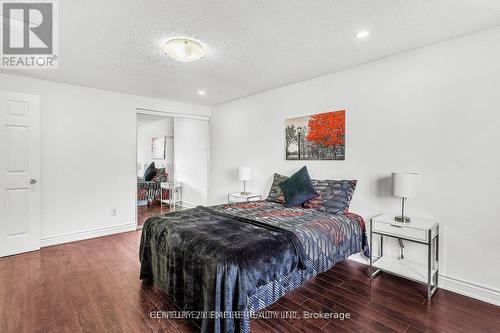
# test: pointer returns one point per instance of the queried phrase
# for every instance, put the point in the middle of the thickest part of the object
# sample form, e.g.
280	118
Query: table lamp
244	175
404	186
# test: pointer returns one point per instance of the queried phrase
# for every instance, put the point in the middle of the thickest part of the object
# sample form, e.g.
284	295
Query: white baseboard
470	289
459	286
188	204
87	234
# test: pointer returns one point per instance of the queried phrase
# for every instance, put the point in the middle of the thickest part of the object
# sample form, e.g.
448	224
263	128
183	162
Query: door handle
33	181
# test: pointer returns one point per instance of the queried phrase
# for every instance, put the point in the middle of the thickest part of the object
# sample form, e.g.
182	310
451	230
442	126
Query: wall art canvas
316	137
158	147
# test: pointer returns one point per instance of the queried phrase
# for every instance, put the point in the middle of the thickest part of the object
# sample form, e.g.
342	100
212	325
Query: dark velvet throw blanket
207	260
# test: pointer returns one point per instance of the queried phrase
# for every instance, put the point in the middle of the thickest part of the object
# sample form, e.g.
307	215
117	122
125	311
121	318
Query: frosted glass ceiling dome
184	50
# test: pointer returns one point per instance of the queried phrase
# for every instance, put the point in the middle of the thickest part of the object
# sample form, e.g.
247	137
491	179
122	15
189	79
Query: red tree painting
327	129
317	137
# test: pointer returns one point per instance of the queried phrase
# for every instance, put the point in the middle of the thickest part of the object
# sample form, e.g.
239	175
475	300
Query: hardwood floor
144	212
93	286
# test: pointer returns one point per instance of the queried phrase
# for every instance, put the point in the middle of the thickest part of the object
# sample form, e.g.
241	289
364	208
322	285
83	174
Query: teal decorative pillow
298	188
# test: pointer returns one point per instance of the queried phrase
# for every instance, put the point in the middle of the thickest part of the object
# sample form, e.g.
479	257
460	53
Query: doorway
155	165
172	163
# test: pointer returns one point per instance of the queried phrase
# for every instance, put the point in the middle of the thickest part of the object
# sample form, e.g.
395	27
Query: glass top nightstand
420	231
174	193
238	197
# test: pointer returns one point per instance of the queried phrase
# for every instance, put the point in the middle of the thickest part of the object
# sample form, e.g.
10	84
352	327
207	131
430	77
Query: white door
19	173
191	142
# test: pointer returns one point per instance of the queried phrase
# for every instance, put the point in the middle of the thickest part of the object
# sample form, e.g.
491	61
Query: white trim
209	159
470	289
87	234
156	112
459	286
187	204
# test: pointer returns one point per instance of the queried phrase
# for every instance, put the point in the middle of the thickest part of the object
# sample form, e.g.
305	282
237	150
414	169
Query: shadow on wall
384	187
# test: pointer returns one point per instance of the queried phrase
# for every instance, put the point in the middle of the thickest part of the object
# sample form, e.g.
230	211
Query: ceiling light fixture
362	34
184	50
202	92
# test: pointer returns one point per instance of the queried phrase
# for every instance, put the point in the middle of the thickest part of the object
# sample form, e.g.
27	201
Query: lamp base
402	219
245	193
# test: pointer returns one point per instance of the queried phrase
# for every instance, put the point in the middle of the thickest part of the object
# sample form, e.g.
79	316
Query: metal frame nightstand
174	193
238	197
421	231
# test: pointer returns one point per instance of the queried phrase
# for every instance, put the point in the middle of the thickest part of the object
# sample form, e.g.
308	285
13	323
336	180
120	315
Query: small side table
421	231
174	193
238	197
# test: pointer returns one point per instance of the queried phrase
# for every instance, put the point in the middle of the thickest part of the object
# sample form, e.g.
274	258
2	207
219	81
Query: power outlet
114	212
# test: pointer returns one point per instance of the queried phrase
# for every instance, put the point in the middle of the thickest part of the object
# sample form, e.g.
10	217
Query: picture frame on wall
319	136
158	145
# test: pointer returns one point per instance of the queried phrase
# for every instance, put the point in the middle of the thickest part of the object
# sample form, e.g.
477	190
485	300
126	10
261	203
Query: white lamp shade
404	185
244	173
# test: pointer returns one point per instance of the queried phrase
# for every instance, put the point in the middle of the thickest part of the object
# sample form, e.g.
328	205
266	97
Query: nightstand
174	193
238	197
420	231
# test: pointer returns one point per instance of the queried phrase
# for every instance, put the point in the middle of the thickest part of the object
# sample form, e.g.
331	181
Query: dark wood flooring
144	212
93	286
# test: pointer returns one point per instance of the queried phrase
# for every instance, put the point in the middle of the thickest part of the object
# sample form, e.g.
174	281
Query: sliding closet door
191	142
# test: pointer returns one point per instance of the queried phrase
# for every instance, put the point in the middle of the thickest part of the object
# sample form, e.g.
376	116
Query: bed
151	190
236	259
147	190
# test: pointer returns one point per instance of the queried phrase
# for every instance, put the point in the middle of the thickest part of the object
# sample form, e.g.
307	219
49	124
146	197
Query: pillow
275	193
298	188
150	172
338	194
160	176
315	203
334	195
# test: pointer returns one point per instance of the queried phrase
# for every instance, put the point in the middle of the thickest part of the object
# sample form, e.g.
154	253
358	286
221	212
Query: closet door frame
163	113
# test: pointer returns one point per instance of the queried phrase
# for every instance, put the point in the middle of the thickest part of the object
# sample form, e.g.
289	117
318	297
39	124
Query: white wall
145	133
434	110
88	156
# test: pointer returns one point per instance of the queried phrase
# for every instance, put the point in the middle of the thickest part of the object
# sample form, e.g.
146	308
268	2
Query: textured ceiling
253	45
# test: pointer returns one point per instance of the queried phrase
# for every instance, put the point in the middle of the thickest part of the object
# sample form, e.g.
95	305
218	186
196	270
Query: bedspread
150	190
225	258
